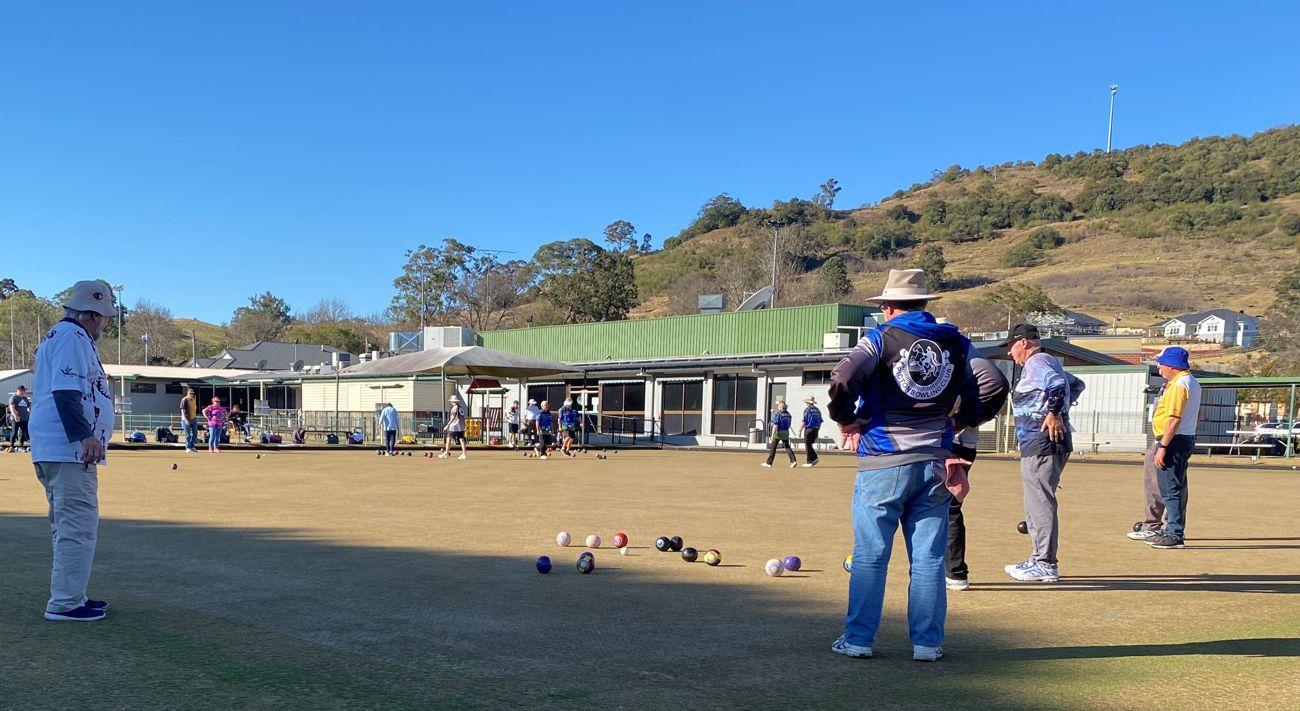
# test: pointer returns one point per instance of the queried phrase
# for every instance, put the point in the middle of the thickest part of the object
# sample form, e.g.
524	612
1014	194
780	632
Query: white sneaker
766	465
955	584
461	457
926	654
1030	571
793	464
850	650
1141	535
442	456
542	457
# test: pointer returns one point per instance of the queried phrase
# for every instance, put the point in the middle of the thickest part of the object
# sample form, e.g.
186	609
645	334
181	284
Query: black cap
1022	330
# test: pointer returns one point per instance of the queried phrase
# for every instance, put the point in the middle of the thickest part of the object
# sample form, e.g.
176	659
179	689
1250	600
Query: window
622	406
144	388
817	377
174	389
735	400
683	408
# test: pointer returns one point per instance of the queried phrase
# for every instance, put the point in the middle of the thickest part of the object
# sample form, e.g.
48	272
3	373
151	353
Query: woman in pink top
216	415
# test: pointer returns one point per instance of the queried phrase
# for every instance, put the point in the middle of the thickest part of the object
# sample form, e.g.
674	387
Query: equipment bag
332	438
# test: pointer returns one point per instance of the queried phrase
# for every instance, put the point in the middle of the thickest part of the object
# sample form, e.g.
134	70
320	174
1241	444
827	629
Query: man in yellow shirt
1165	470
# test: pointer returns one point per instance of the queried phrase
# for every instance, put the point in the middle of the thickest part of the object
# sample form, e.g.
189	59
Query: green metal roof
784	330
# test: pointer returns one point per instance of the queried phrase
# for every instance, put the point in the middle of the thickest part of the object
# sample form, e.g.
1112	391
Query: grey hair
80	316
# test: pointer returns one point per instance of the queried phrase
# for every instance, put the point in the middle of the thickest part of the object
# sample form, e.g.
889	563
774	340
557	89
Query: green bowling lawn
340	580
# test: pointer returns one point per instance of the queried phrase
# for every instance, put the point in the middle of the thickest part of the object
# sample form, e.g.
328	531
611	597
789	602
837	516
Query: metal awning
462	360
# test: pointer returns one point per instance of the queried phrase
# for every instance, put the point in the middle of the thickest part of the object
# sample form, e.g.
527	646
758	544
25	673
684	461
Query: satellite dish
261	364
758	300
297	365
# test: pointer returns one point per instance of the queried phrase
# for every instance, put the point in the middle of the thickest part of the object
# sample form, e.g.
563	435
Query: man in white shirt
72	420
530	422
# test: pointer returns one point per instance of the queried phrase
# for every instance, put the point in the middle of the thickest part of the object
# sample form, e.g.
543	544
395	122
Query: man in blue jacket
811	428
905	387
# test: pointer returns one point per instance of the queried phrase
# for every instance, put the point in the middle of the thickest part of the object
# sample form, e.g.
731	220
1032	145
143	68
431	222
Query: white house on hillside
1223	326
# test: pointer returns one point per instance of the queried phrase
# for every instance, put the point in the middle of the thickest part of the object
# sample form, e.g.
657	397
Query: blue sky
201	154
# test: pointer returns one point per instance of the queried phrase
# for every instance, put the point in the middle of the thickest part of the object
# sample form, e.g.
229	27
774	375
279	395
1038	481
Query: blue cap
1174	357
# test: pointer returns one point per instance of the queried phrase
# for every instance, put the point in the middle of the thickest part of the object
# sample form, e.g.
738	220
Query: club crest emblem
923	370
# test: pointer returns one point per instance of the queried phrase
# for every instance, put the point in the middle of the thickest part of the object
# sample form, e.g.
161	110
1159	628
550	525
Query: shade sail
462	360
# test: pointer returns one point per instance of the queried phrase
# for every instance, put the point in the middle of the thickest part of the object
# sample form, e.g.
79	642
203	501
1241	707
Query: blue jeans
914	494
191	434
1173	483
214	437
390	441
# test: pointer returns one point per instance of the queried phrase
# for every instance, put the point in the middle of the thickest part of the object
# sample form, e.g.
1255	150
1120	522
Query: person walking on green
780	435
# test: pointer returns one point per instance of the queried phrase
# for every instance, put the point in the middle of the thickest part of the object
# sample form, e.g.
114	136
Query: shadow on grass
222	618
1207	582
1254	647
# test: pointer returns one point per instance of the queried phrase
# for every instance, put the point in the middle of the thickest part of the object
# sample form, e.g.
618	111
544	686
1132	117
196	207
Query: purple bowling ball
544	565
792	563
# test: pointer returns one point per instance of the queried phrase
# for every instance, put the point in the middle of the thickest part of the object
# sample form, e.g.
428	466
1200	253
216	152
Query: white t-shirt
67	360
456	418
531	412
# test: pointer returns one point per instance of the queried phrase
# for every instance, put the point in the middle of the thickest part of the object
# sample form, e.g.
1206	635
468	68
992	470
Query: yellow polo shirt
1181	398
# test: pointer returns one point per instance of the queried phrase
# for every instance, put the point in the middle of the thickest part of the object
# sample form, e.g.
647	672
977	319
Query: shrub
1023	254
1289	225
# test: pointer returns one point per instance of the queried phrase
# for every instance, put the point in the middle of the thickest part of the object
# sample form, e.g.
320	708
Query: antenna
261	364
297	365
758	300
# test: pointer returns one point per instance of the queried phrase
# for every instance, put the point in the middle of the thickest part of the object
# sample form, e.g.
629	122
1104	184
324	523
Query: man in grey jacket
72	420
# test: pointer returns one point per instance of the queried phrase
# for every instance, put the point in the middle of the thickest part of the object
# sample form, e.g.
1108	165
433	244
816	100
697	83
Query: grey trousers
73	495
1153	503
1039	477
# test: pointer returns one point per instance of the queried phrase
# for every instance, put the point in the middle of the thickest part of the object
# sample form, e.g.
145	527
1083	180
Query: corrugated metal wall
736	333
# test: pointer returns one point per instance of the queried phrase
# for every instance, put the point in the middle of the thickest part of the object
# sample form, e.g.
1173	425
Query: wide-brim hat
93	296
905	285
810	400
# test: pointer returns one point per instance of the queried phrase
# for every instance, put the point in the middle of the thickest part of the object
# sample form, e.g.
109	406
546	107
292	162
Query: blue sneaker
850	650
1031	571
79	614
97	604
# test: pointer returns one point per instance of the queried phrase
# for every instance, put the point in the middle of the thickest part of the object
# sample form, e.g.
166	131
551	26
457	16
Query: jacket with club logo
905	383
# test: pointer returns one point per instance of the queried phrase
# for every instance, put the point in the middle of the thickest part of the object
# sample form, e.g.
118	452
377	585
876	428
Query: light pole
1110	124
118	289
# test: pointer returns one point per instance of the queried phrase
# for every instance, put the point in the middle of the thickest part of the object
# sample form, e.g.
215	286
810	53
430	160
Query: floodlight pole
1110	123
774	253
118	288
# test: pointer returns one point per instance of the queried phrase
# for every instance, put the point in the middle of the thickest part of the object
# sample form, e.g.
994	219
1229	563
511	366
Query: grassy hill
1148	232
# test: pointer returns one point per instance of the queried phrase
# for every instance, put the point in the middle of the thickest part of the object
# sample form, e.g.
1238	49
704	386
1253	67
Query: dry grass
341	580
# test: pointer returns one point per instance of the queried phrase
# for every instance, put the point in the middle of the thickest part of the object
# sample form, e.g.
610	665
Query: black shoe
97	604
80	614
1164	540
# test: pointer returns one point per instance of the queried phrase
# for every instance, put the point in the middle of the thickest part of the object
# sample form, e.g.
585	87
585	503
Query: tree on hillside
721	211
620	234
487	289
339	334
154	322
646	245
30	317
1280	331
329	310
584	281
1020	301
423	289
834	279
264	319
826	195
9	289
930	258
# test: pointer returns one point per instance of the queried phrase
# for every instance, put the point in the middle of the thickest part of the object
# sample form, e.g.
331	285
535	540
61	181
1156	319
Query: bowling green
341	580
